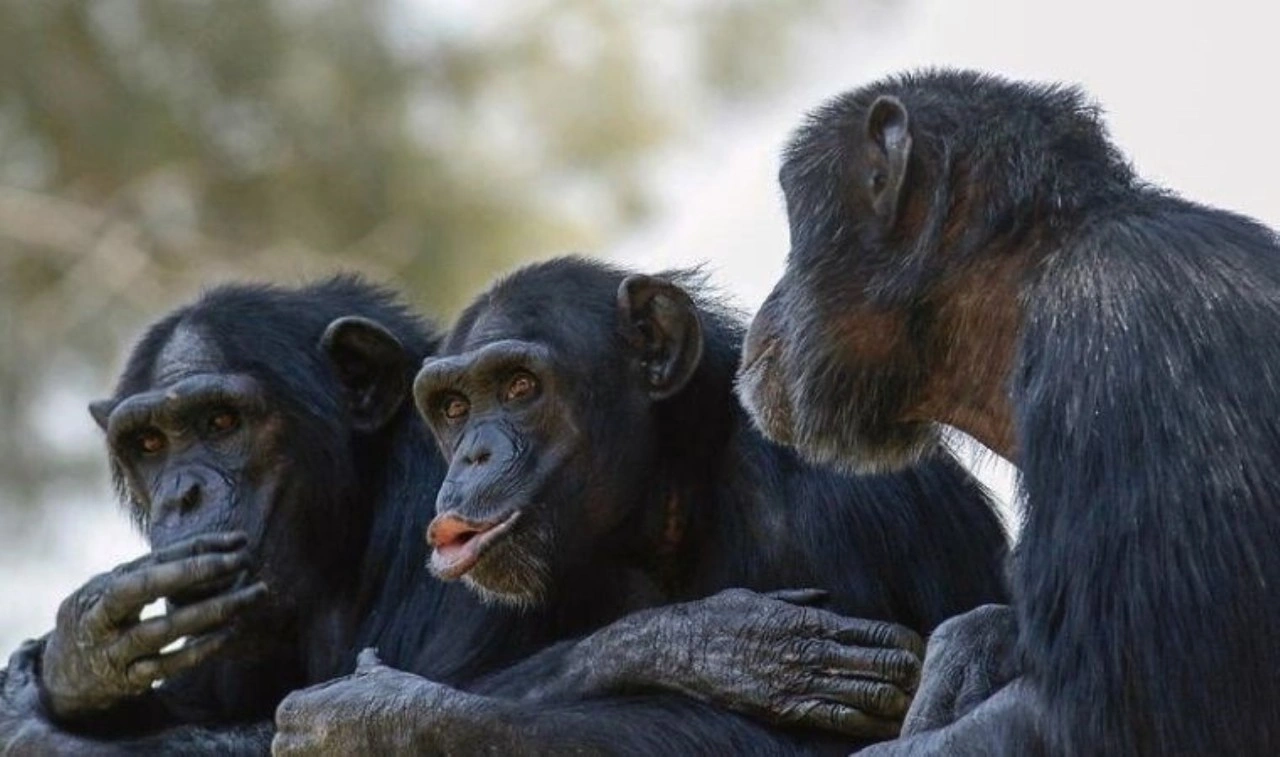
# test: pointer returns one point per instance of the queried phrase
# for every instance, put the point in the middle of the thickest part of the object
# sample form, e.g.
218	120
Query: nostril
190	498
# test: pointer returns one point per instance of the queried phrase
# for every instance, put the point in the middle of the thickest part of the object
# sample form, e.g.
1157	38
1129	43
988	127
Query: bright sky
1189	86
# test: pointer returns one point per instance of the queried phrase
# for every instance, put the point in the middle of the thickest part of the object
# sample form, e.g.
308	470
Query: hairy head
545	399
895	192
241	413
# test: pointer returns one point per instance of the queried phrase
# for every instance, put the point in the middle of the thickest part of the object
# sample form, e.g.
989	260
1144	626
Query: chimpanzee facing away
600	463
974	251
262	440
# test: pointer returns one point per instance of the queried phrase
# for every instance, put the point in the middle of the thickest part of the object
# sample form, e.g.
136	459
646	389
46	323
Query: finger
896	666
802	597
221	541
150	636
151	669
367	660
875	698
839	718
875	633
216	585
124	598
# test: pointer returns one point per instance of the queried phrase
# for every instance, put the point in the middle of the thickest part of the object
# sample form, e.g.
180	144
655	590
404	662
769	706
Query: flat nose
488	442
477	454
183	495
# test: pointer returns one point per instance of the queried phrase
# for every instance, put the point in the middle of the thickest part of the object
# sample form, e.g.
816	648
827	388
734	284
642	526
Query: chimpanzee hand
772	657
970	658
100	654
376	710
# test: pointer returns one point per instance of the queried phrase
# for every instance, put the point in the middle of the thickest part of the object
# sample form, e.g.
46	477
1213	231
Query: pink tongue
455	541
447	554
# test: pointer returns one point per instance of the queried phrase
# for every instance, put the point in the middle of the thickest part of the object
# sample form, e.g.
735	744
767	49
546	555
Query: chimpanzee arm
26	728
101	655
88	685
970	657
379	710
767	656
971	700
1005	724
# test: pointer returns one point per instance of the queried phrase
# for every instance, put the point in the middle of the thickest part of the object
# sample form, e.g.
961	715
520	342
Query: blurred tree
148	147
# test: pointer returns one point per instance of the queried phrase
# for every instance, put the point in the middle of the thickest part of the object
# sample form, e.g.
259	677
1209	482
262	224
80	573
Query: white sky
1189	87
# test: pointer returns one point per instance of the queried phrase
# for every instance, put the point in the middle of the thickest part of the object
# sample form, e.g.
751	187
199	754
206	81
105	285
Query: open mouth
458	544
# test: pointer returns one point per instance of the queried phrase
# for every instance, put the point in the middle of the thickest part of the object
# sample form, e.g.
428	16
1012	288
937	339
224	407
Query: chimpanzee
973	251
256	480
262	441
600	463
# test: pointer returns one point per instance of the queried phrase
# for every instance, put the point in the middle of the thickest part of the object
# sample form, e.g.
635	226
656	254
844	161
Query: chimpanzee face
198	451
545	416
834	362
501	416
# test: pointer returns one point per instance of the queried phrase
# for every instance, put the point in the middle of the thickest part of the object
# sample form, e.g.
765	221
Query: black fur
1143	393
915	547
356	507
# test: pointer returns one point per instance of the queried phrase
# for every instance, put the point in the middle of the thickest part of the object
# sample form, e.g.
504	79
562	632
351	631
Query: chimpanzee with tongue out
599	464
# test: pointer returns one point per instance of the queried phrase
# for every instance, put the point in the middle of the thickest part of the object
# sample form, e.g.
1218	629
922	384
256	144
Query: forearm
768	657
26	726
637	725
380	710
617	659
618	726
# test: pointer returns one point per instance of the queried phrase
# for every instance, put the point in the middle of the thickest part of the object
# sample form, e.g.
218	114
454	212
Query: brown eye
150	442
223	421
521	385
455	407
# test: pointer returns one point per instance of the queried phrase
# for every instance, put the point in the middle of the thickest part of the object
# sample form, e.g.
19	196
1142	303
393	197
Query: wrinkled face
503	420
200	451
835	363
551	440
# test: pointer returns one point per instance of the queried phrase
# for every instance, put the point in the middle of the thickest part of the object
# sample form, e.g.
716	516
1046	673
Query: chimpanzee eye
455	407
521	385
149	442
223	420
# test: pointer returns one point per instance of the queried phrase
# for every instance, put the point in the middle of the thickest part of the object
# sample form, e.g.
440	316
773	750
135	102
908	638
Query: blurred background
149	148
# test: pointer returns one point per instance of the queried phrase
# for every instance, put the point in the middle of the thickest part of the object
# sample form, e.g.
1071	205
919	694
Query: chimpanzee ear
101	412
890	137
373	367
660	321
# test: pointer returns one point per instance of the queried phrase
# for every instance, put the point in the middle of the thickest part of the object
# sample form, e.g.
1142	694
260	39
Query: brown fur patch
980	313
870	335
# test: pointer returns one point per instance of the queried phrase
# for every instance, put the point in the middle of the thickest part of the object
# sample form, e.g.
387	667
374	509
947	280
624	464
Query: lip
455	562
